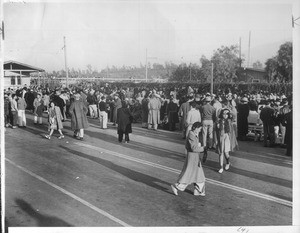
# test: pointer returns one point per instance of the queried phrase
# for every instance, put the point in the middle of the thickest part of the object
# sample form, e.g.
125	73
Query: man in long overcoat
79	122
154	106
242	118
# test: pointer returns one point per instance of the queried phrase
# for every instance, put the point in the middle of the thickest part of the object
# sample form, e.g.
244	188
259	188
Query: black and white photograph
153	116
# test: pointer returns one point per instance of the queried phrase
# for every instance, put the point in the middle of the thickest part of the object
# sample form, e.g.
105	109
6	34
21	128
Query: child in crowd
55	120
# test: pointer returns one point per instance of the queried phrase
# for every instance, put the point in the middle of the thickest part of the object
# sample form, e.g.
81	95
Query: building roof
18	66
8	73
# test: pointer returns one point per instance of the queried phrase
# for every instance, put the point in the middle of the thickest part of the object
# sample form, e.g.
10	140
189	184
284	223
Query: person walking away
288	123
281	117
183	111
208	117
277	120
21	111
192	117
117	105
55	120
7	110
242	119
102	112
192	171
154	106
38	104
172	114
79	122
92	100
124	120
267	117
224	130
29	98
14	111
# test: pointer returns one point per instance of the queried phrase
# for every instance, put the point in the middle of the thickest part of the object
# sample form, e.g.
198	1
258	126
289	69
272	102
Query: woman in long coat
79	122
124	120
242	118
55	120
192	172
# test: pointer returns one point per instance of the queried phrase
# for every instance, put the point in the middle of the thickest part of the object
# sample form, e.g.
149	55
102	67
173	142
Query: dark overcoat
78	112
124	120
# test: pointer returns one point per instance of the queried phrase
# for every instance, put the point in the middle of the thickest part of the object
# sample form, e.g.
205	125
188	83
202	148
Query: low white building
17	74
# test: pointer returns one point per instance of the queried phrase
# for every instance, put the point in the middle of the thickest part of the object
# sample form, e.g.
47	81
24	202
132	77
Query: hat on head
224	110
244	100
207	99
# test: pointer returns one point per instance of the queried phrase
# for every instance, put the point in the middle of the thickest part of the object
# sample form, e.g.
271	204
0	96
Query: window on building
12	80
19	80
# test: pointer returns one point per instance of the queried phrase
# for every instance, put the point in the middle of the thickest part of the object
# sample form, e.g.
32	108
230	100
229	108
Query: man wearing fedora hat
242	118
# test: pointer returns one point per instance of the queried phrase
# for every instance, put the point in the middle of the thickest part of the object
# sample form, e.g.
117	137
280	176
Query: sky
107	33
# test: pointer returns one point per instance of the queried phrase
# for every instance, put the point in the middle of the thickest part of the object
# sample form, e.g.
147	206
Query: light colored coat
154	106
192	171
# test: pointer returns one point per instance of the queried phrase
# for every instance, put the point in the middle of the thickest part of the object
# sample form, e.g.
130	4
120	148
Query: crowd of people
208	121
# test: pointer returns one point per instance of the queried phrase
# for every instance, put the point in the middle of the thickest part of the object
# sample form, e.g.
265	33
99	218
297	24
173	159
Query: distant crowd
167	108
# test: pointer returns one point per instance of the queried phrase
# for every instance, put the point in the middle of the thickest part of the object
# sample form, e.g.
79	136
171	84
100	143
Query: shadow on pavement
131	174
42	220
214	166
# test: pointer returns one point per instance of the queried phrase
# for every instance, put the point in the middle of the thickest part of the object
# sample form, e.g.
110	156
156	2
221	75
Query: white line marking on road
215	182
102	212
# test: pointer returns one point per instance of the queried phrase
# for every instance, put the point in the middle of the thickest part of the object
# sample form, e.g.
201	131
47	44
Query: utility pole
146	67
240	52
66	66
147	64
248	63
212	79
190	72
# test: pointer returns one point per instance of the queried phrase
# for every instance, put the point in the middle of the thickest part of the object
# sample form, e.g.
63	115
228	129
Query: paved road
100	182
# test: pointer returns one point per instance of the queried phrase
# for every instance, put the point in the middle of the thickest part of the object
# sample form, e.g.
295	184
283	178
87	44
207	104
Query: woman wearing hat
226	142
192	172
79	122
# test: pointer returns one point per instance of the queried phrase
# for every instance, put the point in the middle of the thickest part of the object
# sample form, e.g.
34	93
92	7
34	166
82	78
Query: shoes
61	137
14	127
196	193
175	191
221	170
48	137
80	138
126	141
74	136
227	166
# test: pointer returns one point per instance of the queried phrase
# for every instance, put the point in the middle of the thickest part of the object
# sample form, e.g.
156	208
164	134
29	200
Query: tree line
223	64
